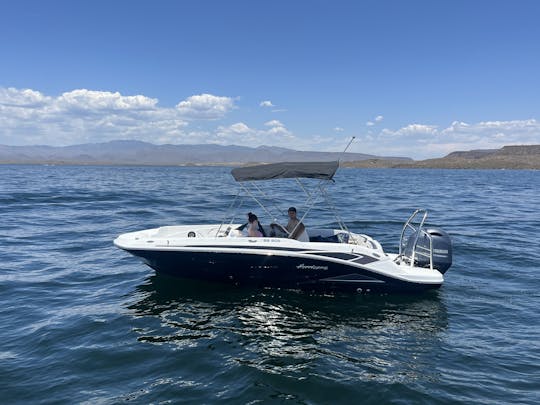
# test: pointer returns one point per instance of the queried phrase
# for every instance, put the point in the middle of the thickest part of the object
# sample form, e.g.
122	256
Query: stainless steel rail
416	230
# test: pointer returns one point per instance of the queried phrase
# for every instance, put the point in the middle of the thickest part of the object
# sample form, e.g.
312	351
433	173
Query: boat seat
276	231
304	236
328	236
319	238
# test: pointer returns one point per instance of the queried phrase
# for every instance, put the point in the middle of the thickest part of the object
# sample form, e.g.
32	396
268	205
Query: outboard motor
442	248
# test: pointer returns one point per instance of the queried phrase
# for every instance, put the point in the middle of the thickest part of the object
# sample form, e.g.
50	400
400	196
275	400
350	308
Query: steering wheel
279	231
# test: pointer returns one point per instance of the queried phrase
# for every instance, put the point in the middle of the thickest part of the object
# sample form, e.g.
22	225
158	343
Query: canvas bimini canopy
286	170
322	171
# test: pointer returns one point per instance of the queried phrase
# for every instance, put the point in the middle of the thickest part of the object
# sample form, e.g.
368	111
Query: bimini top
286	170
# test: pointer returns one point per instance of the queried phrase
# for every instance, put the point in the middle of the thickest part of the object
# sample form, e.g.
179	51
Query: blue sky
408	78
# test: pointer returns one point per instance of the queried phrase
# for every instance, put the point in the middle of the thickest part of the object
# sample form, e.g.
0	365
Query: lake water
84	322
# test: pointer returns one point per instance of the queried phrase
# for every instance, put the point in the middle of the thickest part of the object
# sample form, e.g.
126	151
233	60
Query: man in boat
296	229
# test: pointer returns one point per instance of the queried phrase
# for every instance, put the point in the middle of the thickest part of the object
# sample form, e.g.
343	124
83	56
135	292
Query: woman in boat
253	227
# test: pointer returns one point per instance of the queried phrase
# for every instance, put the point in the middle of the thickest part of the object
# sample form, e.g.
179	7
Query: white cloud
422	141
279	130
30	117
79	116
240	133
90	100
417	129
239	128
374	121
269	104
205	106
22	98
273	123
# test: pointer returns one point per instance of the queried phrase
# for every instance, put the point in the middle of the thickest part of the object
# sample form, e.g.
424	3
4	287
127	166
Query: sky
405	78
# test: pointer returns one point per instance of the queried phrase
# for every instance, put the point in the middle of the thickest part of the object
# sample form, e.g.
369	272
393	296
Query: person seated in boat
296	229
254	228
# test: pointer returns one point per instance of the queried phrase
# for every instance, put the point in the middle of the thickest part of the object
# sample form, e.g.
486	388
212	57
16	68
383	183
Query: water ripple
84	322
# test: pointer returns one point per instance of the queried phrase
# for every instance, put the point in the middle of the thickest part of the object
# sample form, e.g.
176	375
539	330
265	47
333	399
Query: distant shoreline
130	153
346	165
39	163
449	165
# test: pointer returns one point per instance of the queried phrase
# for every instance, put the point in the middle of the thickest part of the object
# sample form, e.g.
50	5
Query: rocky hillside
508	157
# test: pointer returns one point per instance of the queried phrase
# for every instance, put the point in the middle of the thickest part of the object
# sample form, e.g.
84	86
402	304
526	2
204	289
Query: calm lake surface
84	322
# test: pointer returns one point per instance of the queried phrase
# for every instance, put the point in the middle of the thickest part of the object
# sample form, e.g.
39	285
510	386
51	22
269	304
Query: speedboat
329	259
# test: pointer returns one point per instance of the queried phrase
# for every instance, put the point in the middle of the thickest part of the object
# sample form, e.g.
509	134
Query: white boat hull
213	254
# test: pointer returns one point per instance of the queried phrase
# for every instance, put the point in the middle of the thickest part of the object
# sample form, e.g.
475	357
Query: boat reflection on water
280	331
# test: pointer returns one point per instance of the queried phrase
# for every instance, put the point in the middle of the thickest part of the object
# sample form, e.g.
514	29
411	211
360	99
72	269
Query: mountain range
143	153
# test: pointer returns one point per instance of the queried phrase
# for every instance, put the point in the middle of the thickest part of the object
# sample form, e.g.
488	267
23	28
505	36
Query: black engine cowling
442	249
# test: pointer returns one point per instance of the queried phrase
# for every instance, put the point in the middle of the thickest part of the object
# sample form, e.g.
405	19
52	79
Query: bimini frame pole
272	202
228	211
329	200
330	204
310	202
346	147
246	189
311	199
